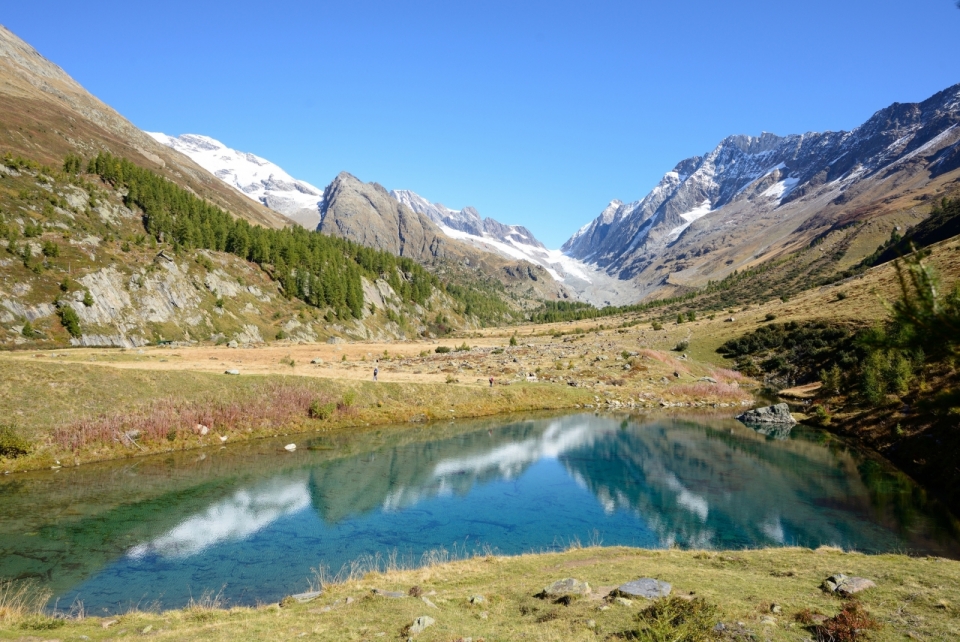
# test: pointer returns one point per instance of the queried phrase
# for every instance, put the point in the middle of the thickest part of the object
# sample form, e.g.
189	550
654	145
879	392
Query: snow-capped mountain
517	242
760	190
256	177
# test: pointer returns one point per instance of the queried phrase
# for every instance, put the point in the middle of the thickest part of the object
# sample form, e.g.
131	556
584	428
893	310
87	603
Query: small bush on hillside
70	321
51	249
770	316
12	444
513	340
852	623
681	346
28	332
87	299
656	325
464	347
442	350
671	619
321	410
841	296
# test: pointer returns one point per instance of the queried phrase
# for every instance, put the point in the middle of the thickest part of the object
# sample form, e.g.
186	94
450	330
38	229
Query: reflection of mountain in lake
245	512
400	477
703	484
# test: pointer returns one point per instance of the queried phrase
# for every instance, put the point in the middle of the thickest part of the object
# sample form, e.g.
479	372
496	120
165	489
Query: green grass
914	597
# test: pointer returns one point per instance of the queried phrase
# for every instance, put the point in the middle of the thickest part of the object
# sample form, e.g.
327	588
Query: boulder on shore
778	414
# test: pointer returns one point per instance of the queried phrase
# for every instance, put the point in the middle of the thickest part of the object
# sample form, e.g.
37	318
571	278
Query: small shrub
679	318
219	302
321	410
691	315
12	444
681	346
821	416
770	316
66	284
841	296
28	332
513	340
51	249
852	623
442	350
281	335
451	379
671	619
464	347
172	435
656	325
87	299
70	321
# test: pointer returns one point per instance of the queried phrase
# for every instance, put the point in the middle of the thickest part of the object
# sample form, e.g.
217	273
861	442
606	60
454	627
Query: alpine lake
252	522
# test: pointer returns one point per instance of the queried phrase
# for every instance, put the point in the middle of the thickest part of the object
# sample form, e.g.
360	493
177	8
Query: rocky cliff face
365	213
753	196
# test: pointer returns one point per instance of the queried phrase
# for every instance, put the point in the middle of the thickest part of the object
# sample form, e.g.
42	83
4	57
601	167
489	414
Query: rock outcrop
775	415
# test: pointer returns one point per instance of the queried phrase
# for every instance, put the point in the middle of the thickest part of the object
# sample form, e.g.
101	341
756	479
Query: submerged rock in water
778	414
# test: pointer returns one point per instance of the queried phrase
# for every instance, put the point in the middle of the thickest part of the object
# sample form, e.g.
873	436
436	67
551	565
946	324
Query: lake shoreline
760	591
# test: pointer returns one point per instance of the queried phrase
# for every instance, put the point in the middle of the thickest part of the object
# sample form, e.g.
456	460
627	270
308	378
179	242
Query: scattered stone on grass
390	594
420	624
231	372
307	596
844	585
644	587
426	600
565	587
477	599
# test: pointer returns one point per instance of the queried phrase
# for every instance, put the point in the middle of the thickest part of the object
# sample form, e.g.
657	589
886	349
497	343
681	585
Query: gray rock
390	594
233	344
426	600
644	587
477	599
231	372
778	414
421	623
568	586
307	597
334	340
845	585
317	362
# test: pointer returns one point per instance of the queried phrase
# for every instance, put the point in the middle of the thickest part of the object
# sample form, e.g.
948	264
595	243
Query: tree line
321	270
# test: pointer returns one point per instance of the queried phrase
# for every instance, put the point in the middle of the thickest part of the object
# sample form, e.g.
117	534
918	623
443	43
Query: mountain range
748	200
752	199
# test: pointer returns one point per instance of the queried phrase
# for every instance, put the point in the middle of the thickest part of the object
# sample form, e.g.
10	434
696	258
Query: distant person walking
491	382
376	371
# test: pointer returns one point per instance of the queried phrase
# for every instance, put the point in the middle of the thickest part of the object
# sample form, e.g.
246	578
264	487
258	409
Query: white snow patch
697	213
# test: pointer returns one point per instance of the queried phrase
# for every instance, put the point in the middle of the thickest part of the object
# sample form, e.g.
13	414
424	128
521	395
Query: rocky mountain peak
749	181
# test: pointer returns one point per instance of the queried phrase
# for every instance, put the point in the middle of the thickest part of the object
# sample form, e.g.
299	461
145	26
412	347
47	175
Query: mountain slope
47	115
755	198
257	178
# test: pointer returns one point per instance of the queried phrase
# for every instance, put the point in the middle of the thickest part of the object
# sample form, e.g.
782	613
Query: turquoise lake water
251	521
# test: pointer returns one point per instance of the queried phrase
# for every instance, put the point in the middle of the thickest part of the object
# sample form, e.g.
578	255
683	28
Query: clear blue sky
536	112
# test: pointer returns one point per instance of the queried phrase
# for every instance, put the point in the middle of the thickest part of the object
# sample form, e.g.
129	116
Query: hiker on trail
376	371
491	382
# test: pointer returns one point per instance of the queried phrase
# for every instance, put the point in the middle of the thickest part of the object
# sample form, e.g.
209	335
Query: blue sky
536	113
